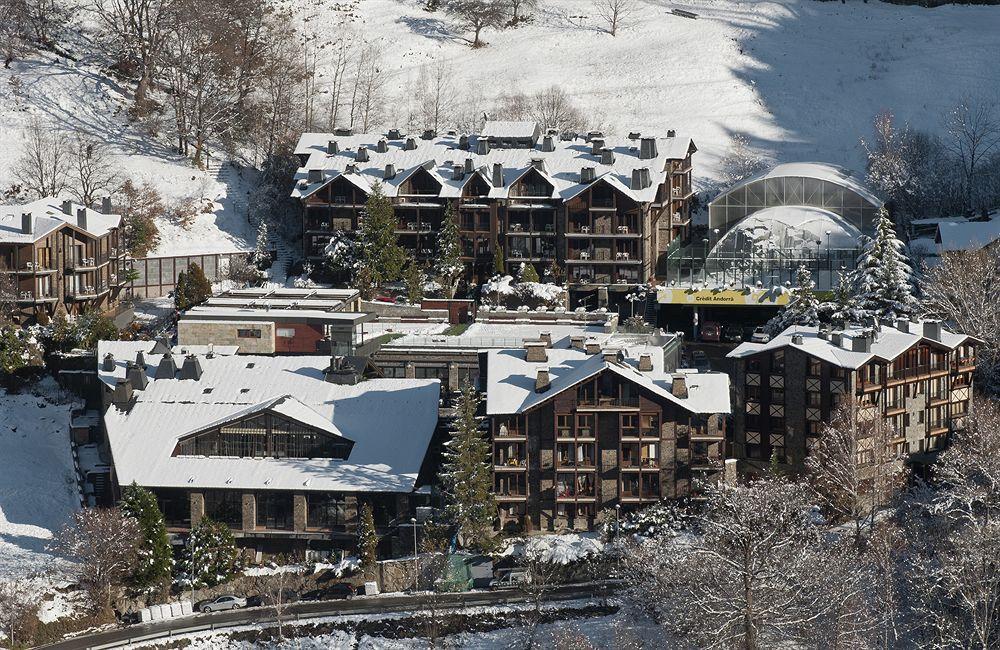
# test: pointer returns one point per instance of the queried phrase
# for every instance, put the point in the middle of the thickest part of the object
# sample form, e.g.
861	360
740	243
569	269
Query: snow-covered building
282	449
587	428
916	376
62	256
601	208
970	234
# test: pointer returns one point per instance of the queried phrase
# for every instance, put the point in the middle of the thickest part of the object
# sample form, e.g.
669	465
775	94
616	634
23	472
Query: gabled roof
47	216
968	235
285	405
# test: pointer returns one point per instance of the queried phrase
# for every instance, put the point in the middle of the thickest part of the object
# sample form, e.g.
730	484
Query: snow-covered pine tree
449	265
466	478
528	272
156	558
367	537
181	292
802	308
261	251
381	253
883	281
211	556
498	266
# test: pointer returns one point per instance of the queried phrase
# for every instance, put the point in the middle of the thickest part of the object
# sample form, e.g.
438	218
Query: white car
510	579
221	604
760	335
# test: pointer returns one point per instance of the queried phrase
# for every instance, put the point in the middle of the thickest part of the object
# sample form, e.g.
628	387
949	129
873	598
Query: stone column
299	512
197	507
453	377
411	371
249	511
351	513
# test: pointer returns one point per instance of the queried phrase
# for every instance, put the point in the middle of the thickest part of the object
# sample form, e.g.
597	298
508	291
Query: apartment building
581	431
915	375
603	209
58	255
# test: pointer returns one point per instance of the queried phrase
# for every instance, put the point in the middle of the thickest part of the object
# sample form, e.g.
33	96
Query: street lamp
416	558
618	518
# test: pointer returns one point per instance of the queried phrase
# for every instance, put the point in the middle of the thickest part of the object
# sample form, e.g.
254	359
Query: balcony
533	229
530	256
413	228
602	403
967	363
84	264
509	433
29	298
87	292
29	268
510	464
640	464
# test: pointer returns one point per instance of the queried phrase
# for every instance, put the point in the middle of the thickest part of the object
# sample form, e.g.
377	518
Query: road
121	637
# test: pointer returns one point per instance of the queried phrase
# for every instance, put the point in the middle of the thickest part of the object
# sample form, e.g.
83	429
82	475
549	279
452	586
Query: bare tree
615	14
519	10
964	289
553	108
44	164
542	575
512	106
337	71
14	36
104	542
741	161
138	29
275	589
93	172
436	95
974	130
852	468
368	93
477	15
18	612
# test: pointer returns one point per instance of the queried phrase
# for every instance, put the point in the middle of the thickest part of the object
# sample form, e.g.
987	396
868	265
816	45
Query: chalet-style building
61	256
917	376
579	431
283	449
603	209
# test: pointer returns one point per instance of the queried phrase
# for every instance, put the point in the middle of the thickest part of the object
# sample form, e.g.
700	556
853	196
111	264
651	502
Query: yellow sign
737	297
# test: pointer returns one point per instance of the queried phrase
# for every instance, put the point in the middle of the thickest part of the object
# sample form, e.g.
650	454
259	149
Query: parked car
510	579
700	361
287	596
336	591
384	298
710	331
221	604
760	335
732	334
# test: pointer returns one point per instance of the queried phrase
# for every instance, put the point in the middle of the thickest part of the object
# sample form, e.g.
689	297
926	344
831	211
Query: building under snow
283	449
601	208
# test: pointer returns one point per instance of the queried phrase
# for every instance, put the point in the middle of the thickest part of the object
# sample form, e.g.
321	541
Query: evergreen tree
367	538
466	478
802	308
199	287
211	556
155	554
262	253
181	292
381	253
844	307
528	272
498	266
883	280
449	264
414	283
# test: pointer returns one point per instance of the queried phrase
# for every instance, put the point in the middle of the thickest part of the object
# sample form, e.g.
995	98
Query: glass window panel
755	194
774	192
833	196
812	192
167	271
793	191
209	267
140	269
852	199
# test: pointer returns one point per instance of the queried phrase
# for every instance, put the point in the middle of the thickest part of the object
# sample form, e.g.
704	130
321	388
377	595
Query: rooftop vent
390	171
108	364
382	146
469	166
796	339
836	338
140	359
671	133
136	376
645	362
457	173
351	168
861	343
122	393
647	148
394	134
903	325
341	373
607	157
591	135
67	208
343	131
332	148
596	146
250	365
823	333
587	175
81	218
429	134
315	176
542	380
535	352
482	146
612	356
362	154
546	338
548	143
106	205
463	142
191	368
577	342
497	175
410	144
27	223
679	387
592	347
633	135
167	368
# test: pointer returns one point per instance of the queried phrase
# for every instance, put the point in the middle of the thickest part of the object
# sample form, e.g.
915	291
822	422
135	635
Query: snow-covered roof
889	343
46	216
294	293
818	170
485	336
391	422
509	129
225	312
968	235
274	303
441	154
511	378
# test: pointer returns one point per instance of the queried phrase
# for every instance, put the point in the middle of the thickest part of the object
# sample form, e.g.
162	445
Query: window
424	372
778	361
651	425
247	334
753	365
285	333
225	506
326	511
265	436
753	393
815	367
274	510
585	425
630	425
778	396
814	399
564	426
814	428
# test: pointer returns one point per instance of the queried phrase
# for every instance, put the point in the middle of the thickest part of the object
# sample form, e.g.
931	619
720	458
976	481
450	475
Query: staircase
651	311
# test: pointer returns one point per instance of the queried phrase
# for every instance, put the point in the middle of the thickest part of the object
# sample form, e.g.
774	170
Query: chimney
647	148
596	145
394	134
611	356
429	134
637	179
332	148
497	175
81	218
108	364
382	146
576	342
538	164
634	135
191	368
862	343
836	338
646	179
410	144
535	352
457	173
315	176
679	387
671	133
167	368
122	393
362	154
592	135
645	362
592	347
351	169
343	131
162	346
390	171
542	380
136	376
340	373
548	143
823	333
211	351
932	329
67	208
27	223
903	325
796	339
469	167
482	146
607	157
463	142
106	205
140	360
587	175
546	338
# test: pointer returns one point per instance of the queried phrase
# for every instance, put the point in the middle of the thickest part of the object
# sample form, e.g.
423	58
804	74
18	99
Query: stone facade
228	333
197	507
249	511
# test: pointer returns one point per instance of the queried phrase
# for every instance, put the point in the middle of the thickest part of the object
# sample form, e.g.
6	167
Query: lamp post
416	558
618	518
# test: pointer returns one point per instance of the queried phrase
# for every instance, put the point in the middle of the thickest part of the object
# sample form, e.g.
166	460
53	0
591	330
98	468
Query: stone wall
191	332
